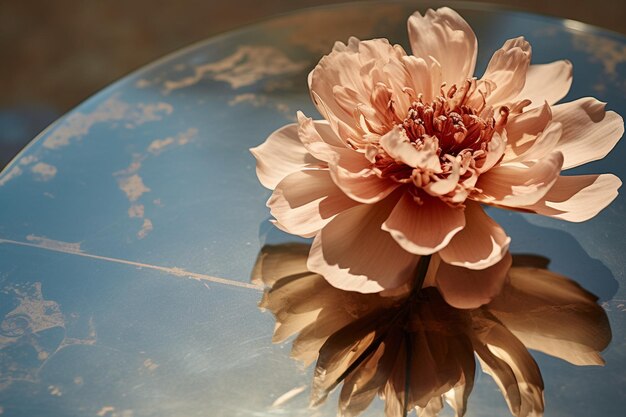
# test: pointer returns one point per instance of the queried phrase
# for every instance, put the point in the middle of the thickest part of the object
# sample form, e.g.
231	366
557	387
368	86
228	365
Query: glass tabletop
130	228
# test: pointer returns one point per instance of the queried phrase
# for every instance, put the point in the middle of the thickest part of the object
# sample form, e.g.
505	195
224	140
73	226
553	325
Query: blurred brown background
54	54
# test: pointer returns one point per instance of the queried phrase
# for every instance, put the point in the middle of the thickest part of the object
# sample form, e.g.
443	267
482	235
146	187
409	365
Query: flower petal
352	173
468	288
280	155
354	254
346	77
444	35
397	145
541	146
552	314
495	149
481	244
507	69
522	131
514	186
424	228
341	129
546	83
577	198
589	133
306	201
310	133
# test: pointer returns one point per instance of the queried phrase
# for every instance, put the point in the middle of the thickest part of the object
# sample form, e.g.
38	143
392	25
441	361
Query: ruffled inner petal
514	186
507	69
354	175
443	36
522	131
344	81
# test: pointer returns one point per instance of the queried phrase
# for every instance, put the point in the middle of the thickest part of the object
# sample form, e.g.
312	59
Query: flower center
457	128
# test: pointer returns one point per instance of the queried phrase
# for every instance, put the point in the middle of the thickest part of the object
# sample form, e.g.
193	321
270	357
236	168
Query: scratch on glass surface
246	66
54	244
615	305
178	272
109	411
288	396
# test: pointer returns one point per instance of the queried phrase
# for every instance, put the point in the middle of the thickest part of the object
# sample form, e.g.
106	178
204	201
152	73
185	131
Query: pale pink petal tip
280	155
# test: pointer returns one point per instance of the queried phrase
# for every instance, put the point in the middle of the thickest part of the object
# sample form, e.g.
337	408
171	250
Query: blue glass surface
130	227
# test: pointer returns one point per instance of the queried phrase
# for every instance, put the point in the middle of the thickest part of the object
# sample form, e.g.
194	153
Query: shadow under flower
416	351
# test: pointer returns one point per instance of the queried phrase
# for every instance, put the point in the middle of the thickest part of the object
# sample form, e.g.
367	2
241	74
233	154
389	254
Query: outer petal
554	315
468	288
481	244
354	175
589	133
354	254
446	37
577	198
514	186
280	155
306	201
507	69
547	83
425	228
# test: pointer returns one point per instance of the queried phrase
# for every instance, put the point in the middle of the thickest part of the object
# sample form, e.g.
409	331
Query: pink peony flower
413	145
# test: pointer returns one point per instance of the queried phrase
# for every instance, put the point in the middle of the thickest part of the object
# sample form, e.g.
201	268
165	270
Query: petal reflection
416	351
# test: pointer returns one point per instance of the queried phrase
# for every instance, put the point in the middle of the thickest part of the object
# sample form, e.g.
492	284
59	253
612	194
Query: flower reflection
413	145
415	350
